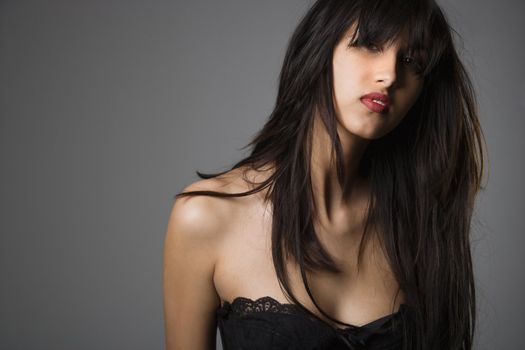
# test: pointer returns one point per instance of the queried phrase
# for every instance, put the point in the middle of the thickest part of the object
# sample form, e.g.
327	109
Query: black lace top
266	324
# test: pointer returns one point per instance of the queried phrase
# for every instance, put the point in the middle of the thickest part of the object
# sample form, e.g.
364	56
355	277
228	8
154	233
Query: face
358	71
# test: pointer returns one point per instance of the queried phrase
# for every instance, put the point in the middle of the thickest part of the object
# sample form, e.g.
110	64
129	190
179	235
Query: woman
347	227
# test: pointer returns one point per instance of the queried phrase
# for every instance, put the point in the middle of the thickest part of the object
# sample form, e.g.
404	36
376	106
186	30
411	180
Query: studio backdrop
107	109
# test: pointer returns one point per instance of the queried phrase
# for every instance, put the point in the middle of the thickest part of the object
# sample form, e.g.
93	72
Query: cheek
411	96
343	92
418	87
345	86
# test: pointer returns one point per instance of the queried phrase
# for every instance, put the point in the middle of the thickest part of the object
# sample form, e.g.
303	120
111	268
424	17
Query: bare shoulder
212	209
196	230
202	215
191	249
207	217
201	220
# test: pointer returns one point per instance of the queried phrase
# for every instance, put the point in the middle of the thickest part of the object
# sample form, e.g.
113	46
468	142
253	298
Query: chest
245	269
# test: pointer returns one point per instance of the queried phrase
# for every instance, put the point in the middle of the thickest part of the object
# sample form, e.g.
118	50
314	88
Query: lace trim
242	305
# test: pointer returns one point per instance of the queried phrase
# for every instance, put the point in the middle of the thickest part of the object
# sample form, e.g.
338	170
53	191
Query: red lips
375	106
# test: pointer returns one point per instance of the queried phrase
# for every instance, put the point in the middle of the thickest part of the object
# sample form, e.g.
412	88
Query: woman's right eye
369	46
372	47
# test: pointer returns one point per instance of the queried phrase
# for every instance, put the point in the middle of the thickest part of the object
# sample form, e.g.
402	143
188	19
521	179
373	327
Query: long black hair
424	175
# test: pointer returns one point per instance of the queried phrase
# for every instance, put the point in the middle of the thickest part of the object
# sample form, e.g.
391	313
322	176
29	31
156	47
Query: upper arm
190	253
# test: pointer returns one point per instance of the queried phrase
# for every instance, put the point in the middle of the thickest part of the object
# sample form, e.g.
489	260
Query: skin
218	249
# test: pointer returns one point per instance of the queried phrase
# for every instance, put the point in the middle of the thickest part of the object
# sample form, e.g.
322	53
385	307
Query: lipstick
376	102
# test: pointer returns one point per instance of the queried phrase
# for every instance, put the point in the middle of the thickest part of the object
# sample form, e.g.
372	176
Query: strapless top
265	324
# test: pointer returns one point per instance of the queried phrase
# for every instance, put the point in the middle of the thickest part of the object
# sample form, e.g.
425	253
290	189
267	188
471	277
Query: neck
330	197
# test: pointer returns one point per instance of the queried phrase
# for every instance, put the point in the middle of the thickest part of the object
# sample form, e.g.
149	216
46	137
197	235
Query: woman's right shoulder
208	214
201	213
215	215
192	248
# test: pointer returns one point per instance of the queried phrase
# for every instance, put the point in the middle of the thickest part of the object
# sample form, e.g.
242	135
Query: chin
370	136
366	127
369	132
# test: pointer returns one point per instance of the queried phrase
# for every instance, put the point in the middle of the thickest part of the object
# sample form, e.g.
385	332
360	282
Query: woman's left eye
412	62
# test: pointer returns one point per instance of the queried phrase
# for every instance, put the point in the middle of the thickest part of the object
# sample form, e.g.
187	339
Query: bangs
382	22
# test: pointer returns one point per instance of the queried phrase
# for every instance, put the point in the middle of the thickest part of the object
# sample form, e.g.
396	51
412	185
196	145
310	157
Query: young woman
347	227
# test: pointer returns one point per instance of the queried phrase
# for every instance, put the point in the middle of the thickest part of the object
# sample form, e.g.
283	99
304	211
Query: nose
386	68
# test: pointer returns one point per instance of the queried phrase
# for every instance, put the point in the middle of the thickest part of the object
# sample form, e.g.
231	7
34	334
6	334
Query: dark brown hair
424	175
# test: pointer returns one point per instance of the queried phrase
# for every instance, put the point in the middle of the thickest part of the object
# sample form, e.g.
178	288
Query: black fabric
265	323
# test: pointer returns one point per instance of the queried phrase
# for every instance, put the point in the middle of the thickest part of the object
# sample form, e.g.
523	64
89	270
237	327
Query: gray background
108	107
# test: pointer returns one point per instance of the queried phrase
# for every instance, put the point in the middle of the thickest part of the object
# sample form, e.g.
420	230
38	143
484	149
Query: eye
372	47
369	46
413	63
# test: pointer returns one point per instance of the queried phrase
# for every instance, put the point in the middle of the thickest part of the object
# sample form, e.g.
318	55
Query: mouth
376	102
